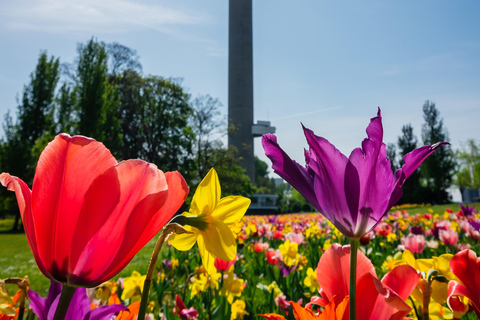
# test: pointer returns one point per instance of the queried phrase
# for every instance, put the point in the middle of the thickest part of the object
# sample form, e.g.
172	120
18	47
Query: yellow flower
250	229
441	264
238	310
203	282
302	262
133	287
211	219
175	263
327	244
311	280
232	287
289	251
391	237
275	288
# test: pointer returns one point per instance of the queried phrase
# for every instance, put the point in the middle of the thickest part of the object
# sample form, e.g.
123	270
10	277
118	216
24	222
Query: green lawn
16	260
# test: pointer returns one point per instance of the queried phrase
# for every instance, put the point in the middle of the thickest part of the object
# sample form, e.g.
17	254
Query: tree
392	156
413	192
97	101
167	136
468	174
262	182
437	170
209	127
35	121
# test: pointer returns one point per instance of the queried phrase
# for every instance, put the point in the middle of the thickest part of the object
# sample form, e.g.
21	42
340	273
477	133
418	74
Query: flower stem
353	279
167	231
65	298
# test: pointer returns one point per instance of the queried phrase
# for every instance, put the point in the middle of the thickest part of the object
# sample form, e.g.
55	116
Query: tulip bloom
414	243
466	266
376	299
80	308
87	215
353	193
449	237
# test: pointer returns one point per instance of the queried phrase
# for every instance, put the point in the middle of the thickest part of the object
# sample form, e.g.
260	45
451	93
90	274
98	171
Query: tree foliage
438	169
468	173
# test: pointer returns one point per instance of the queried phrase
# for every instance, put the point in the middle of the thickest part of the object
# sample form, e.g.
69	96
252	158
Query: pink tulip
414	243
449	236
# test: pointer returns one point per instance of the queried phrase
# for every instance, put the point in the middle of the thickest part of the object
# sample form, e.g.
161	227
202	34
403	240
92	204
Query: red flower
222	265
376	299
271	256
466	266
87	215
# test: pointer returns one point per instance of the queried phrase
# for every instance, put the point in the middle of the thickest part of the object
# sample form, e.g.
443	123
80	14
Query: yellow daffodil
210	219
441	264
289	251
238	310
232	286
203	282
6	302
133	287
311	280
175	263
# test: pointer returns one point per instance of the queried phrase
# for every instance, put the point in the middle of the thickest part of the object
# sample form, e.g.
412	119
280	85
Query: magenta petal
414	159
291	171
104	312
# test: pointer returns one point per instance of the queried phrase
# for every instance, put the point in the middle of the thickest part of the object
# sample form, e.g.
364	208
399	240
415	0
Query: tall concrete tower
240	85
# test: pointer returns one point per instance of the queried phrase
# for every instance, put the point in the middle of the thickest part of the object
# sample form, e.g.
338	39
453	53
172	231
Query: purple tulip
79	308
467	210
353	193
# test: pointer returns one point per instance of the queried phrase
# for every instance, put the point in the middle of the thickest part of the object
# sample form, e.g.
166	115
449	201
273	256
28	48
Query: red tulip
222	265
87	215
375	299
466	266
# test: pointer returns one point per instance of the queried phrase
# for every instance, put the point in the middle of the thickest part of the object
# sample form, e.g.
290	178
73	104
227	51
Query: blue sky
327	64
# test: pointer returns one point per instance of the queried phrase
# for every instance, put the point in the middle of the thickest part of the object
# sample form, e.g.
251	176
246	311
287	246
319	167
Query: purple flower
353	193
467	210
79	308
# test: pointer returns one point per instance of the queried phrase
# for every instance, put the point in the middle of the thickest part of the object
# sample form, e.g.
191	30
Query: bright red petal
333	270
466	266
24	199
272	316
65	170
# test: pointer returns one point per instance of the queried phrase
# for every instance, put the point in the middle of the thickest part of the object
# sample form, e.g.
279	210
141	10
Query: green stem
148	277
171	227
65	298
353	279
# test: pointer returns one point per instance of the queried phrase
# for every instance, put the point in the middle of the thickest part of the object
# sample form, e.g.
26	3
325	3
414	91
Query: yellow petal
219	240
184	241
425	264
208	259
207	194
231	209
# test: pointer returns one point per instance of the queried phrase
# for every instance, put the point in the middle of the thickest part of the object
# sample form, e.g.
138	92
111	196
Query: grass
16	260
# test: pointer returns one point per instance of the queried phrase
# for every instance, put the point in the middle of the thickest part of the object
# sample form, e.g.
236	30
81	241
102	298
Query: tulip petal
141	227
288	169
333	270
104	312
65	170
24	200
375	179
329	166
402	280
231	209
207	194
137	191
466	266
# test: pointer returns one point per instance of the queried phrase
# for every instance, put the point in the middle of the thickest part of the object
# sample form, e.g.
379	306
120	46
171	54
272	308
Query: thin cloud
109	16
